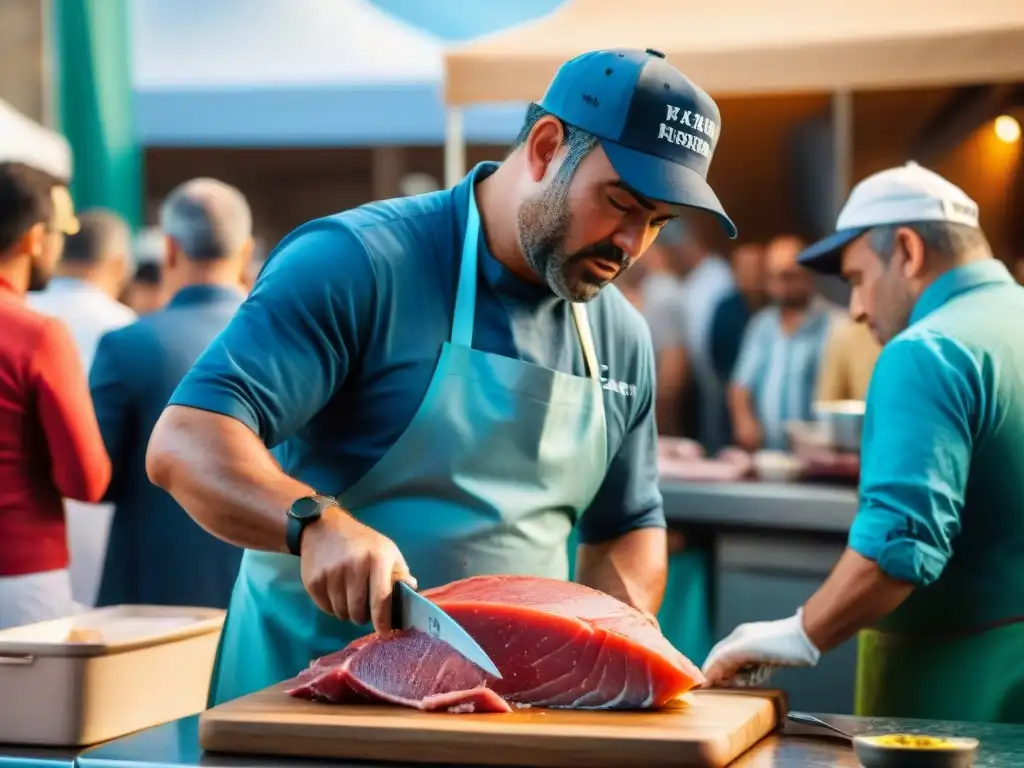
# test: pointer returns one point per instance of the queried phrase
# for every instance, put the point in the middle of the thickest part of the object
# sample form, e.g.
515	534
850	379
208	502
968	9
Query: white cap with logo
903	195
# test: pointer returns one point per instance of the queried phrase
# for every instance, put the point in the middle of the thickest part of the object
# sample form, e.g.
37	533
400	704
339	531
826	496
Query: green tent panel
93	83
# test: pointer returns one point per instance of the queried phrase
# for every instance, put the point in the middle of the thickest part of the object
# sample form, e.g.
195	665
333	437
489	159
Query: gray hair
947	239
578	143
207	218
102	235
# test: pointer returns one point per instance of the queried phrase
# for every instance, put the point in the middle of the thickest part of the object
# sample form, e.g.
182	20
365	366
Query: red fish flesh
556	643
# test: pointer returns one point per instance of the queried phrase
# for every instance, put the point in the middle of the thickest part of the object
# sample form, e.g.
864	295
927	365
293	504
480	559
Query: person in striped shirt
777	369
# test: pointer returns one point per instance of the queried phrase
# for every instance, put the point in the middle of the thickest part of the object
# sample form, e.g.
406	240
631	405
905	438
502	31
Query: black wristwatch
301	513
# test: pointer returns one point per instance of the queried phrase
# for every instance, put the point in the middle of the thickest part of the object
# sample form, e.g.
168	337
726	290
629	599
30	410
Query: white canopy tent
272	72
748	47
24	140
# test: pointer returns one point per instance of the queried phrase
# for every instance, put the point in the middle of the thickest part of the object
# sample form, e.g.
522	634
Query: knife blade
411	610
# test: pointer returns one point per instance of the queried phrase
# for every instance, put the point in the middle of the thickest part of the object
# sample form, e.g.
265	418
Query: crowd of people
745	344
89	357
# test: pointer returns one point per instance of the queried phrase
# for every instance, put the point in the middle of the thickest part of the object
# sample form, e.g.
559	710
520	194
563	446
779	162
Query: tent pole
842	146
454	147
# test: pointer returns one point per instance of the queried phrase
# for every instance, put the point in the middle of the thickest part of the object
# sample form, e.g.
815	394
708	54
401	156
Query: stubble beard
543	225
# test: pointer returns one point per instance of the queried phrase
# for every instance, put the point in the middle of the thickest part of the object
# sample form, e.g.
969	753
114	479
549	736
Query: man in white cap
933	576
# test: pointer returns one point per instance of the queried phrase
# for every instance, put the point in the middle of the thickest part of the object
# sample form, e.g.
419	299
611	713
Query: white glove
761	646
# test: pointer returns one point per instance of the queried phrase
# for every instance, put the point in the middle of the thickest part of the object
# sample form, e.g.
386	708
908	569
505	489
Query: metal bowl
841	423
914	751
777	466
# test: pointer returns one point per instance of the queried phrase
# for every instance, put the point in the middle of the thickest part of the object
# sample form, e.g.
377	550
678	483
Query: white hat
23	140
903	195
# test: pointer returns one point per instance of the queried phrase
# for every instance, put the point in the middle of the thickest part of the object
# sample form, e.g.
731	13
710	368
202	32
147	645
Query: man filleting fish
447	384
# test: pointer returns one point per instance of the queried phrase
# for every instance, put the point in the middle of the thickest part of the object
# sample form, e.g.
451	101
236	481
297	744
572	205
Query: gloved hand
760	645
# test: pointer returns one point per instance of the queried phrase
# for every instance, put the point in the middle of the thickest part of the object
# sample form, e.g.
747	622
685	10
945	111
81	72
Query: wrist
810	649
331	519
304	516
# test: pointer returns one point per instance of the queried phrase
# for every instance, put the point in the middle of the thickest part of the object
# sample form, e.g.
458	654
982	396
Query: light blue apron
490	476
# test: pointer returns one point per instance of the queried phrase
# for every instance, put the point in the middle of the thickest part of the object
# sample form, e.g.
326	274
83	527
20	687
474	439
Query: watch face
305	508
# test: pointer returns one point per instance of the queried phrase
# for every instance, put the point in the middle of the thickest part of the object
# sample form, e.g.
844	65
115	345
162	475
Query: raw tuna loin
557	644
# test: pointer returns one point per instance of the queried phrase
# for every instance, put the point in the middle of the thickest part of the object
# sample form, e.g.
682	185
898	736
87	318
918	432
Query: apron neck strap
579	316
465	296
465	293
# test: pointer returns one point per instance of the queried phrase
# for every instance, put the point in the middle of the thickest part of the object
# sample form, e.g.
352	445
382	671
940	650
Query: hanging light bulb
1007	129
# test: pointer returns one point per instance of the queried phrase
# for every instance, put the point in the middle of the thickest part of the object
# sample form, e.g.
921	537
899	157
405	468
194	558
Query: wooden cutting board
711	729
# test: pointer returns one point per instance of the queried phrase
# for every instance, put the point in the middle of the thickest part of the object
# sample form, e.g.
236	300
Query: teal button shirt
331	355
942	462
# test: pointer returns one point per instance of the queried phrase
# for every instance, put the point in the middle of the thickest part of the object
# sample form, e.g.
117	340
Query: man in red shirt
50	443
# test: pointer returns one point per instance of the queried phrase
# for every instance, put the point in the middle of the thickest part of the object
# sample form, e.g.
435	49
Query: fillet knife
411	610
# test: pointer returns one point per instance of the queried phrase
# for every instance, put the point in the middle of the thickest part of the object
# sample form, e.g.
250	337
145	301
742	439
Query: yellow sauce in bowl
918	741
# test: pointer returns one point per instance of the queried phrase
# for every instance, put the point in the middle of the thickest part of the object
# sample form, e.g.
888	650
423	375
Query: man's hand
349	569
765	643
748	433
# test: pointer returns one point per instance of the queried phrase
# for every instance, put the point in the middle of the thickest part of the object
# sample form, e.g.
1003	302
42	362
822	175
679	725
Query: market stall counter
176	745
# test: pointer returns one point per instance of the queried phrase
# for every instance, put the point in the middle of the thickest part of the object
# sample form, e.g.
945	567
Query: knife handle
396	606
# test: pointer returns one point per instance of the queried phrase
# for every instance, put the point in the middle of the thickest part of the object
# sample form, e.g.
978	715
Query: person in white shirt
699	281
95	269
657	293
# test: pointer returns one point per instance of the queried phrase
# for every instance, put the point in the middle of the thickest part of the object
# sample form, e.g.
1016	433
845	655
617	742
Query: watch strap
296	524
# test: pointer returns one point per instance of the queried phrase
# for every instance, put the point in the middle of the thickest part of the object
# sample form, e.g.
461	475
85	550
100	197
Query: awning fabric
748	47
94	100
291	73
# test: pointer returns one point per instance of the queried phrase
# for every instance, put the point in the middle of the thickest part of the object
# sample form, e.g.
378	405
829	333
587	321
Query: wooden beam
388	168
1015	212
842	148
22	51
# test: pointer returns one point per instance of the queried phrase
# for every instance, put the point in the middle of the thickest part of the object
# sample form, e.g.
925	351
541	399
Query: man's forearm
223	476
739	403
632	568
671	377
666	410
855	595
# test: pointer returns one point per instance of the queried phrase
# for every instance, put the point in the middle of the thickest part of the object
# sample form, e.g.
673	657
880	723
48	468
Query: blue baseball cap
658	129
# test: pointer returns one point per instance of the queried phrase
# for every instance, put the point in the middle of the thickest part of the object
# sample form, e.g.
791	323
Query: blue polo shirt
942	462
330	356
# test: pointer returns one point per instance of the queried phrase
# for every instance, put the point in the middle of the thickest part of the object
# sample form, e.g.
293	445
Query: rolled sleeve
293	341
751	360
629	497
915	456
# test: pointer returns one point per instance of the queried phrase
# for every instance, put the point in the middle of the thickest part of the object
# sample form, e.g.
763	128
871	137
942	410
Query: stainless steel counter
176	746
790	506
769	547
36	757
